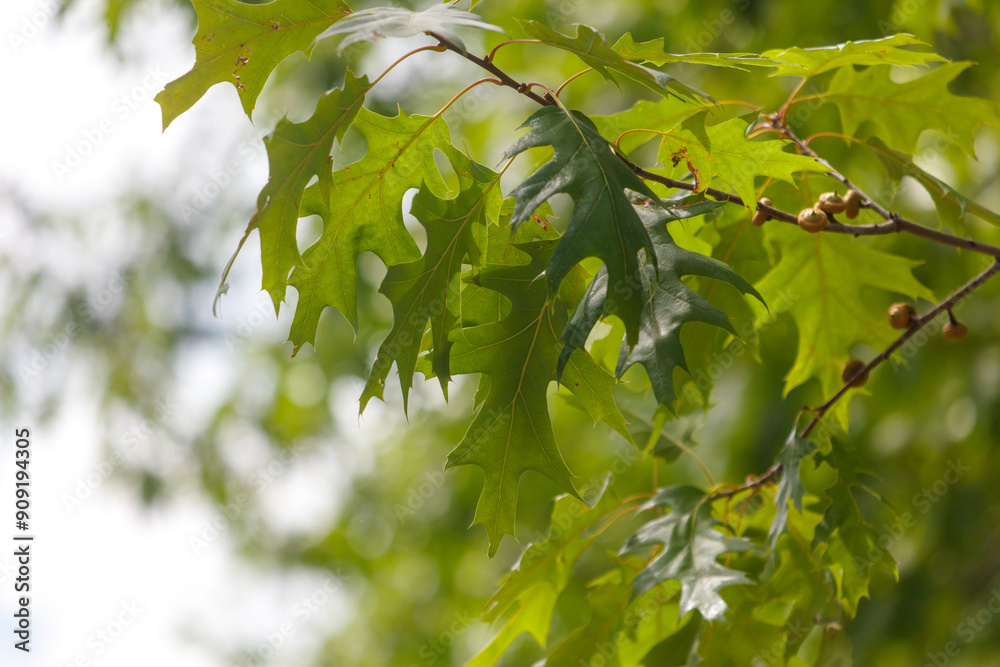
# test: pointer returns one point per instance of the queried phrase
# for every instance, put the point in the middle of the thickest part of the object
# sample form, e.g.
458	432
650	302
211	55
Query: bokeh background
202	498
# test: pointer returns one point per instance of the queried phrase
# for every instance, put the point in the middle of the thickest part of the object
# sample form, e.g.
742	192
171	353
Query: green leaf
296	152
427	288
656	115
846	543
603	223
900	112
667	303
885	51
951	204
652	52
590	643
241	44
691	544
381	22
790	486
512	432
590	46
527	596
827	280
723	151
365	212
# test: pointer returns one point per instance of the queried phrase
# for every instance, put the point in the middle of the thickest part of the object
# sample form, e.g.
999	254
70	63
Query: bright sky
112	584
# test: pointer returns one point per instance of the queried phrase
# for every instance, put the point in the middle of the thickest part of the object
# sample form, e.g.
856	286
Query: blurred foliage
131	328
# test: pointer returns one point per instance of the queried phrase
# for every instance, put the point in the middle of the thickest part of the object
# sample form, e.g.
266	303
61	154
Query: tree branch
505	78
915	326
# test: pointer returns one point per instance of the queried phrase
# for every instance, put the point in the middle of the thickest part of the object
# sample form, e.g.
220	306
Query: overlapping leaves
603	224
427	288
511	431
692	544
667	303
366	214
590	46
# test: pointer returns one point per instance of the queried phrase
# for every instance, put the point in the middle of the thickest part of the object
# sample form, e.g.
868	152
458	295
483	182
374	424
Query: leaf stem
496	48
572	78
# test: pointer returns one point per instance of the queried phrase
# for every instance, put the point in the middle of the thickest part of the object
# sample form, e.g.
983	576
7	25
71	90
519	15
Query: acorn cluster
816	219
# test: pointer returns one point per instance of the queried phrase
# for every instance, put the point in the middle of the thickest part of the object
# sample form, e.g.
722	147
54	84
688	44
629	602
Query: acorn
831	203
759	217
852	204
901	314
813	220
851	369
954	330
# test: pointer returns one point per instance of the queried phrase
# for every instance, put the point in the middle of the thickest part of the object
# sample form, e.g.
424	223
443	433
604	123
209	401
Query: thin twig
769	476
915	326
505	78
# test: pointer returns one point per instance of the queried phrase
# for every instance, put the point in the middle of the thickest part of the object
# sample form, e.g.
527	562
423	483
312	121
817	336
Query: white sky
107	561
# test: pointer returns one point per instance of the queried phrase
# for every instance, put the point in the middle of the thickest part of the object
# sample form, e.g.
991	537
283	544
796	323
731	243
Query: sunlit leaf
241	44
885	51
382	22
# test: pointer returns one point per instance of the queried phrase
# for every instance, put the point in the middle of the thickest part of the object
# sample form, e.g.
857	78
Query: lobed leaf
826	279
900	112
511	431
427	288
365	212
806	63
381	22
241	44
603	223
722	151
691	547
590	46
667	303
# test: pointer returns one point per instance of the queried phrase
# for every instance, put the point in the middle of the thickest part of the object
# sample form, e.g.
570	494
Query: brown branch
915	326
505	78
772	474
